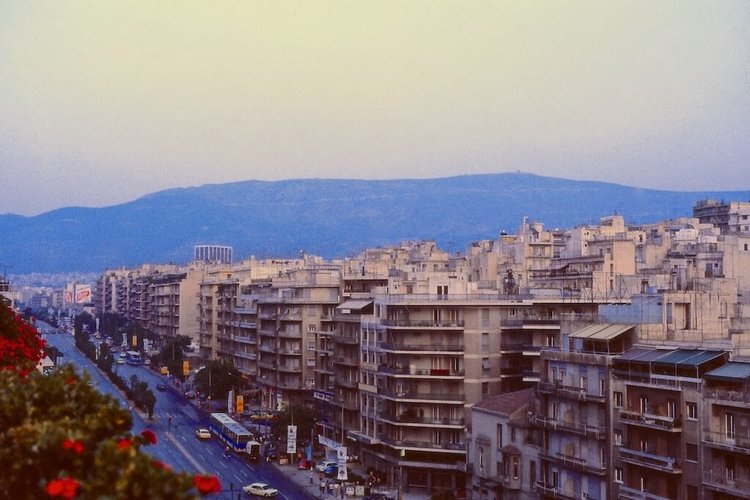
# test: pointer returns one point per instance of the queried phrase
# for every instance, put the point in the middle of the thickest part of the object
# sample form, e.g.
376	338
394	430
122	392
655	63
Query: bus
231	432
133	358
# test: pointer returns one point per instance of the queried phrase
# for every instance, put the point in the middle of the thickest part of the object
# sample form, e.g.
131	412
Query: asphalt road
177	444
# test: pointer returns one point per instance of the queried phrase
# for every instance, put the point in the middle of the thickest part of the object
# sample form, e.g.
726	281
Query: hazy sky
102	102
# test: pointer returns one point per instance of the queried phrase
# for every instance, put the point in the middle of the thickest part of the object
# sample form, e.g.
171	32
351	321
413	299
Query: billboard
83	294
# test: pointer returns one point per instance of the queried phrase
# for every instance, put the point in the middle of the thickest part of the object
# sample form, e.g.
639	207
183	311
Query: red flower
161	465
65	487
73	444
149	436
123	444
207	484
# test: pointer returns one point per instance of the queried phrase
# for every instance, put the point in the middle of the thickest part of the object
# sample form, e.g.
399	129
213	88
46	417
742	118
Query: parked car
331	470
321	467
271	454
304	464
189	395
263	416
260	490
203	433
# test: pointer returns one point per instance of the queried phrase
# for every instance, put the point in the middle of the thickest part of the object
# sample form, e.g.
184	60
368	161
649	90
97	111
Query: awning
354	305
733	371
601	331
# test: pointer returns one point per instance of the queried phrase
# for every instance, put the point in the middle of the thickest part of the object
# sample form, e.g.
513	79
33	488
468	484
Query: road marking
187	455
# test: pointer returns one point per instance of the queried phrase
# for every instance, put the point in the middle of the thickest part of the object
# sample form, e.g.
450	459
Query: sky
102	102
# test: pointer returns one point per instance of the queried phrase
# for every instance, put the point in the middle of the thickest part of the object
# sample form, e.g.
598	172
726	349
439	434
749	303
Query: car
321	467
331	470
263	416
120	361
202	433
271	454
161	387
304	464
260	490
189	395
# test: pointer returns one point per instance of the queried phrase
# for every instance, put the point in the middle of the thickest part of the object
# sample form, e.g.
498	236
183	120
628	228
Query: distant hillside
323	217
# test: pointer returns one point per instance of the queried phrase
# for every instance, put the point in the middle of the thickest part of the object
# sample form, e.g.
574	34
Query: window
512	434
555	479
554	410
729	425
485	388
602	387
485	317
485	342
618	438
312	310
671	408
618	475
499	437
691	452
515	467
486	364
691	410
644	445
644	483
617	396
312	328
643	404
729	467
481	459
583	382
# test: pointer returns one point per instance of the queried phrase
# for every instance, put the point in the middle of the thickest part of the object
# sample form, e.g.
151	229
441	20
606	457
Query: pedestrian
322	487
341	490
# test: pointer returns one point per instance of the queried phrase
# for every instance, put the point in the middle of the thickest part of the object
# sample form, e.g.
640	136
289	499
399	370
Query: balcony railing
628	493
408	418
422	323
657	462
579	428
430	446
576	463
652	421
569	392
458	348
406	370
736	443
551	491
427	396
726	484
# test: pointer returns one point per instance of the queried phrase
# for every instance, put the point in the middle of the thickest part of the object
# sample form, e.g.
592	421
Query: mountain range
327	217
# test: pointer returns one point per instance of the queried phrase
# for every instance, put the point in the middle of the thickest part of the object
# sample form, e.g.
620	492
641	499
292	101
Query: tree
302	416
217	379
172	354
59	437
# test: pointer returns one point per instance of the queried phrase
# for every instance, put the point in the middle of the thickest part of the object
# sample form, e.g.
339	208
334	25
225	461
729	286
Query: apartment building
573	414
656	394
725	446
501	456
295	325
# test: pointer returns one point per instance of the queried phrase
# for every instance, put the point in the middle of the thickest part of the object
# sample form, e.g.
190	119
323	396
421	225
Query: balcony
432	447
421	348
650	421
420	372
724	484
569	392
627	493
720	440
655	462
578	428
422	323
344	339
408	417
572	462
346	361
550	491
408	395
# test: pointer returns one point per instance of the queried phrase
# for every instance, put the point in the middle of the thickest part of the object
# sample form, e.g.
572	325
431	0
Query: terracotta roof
506	404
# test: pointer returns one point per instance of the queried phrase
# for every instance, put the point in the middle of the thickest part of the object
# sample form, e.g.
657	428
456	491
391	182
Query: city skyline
102	104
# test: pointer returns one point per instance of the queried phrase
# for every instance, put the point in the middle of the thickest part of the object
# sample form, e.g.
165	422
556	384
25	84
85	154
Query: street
177	444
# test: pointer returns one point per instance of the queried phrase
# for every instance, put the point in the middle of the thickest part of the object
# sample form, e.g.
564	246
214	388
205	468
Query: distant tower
213	254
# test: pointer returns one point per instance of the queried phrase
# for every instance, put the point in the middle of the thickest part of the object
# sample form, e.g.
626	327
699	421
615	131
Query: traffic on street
176	422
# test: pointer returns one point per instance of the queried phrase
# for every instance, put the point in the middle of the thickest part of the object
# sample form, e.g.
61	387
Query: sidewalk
302	479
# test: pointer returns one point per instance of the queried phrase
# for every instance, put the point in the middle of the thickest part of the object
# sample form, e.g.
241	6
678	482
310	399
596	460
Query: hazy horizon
104	103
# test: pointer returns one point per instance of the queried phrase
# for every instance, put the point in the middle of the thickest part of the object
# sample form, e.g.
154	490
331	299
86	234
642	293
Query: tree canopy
59	437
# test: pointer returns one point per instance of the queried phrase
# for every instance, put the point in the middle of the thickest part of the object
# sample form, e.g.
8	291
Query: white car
260	490
202	434
322	466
